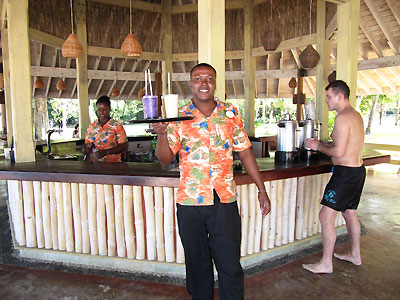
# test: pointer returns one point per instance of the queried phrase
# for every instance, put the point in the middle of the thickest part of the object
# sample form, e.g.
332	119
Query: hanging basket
72	48
271	38
332	77
61	86
115	91
141	93
292	83
309	58
38	83
131	46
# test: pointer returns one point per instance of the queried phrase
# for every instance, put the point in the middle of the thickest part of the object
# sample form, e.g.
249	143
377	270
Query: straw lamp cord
72	17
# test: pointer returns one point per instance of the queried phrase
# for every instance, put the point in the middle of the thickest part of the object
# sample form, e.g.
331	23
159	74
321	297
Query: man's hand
265	203
312	144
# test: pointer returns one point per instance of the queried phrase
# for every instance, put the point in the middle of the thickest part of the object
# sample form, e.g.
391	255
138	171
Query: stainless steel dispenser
286	142
309	129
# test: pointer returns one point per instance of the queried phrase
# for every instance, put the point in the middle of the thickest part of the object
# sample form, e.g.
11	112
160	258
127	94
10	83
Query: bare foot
348	257
318	268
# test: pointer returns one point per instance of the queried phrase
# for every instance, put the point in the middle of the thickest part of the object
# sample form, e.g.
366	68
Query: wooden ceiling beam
110	63
140	5
386	80
115	73
394	6
296	54
395	73
53	64
233	81
383	25
363	85
67	66
375	46
370	82
133	69
146	66
38	62
96	67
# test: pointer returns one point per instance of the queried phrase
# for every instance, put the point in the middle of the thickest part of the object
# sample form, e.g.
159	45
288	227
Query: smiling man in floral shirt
207	212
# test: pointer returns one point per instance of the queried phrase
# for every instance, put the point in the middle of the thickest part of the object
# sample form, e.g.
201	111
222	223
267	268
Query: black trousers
212	233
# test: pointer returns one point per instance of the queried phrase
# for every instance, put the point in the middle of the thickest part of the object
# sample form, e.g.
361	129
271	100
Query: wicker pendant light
141	93
61	86
292	83
131	46
38	83
309	58
271	38
332	77
72	48
115	91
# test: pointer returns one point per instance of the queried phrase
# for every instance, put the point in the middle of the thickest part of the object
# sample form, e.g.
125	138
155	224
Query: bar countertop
154	174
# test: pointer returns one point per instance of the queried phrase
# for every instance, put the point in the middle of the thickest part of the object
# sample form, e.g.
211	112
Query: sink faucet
49	133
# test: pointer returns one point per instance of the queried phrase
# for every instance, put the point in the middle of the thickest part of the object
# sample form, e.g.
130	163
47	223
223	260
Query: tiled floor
378	277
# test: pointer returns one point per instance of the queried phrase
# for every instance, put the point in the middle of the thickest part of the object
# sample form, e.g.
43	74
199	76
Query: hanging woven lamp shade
115	91
332	77
72	48
141	93
292	83
131	46
61	86
38	83
271	38
309	58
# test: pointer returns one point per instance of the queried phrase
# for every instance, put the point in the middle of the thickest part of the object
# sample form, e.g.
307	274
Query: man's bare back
349	129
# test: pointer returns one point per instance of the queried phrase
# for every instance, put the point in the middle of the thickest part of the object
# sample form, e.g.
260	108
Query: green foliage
57	107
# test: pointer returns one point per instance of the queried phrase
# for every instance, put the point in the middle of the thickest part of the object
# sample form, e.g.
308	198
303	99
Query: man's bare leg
327	217
354	230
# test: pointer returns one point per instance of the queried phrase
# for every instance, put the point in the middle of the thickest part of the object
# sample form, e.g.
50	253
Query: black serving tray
162	120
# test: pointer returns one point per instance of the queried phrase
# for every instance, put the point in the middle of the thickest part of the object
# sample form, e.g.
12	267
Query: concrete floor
377	278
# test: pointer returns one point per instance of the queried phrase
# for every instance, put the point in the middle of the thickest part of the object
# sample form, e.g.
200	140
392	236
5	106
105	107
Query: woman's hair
105	100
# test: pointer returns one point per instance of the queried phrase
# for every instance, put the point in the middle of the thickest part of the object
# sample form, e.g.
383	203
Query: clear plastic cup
150	106
171	105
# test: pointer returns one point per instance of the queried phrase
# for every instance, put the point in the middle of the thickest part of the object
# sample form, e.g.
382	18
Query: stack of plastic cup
150	106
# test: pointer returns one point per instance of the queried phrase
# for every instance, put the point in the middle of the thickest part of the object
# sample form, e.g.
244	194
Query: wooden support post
211	40
299	98
166	21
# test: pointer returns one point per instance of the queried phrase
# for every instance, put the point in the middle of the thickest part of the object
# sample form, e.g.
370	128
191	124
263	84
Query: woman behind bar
105	138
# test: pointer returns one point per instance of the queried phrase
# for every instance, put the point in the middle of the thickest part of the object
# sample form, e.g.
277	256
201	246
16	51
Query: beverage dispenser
308	129
286	148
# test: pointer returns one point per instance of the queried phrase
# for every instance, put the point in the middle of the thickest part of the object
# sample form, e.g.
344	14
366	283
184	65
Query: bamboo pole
139	222
127	192
119	221
83	204
53	215
109	198
37	194
252	216
279	212
265	221
317	200
180	253
67	209
60	217
101	219
150	222
292	208
48	241
169	224
311	208
300	207
287	187
258	221
29	213
91	197
307	195
17	211
77	218
272	220
159	215
244	202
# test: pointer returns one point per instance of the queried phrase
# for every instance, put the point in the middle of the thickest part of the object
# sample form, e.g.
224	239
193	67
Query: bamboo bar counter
121	216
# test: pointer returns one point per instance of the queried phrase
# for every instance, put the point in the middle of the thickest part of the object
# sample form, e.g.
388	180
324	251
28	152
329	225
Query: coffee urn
308	129
286	148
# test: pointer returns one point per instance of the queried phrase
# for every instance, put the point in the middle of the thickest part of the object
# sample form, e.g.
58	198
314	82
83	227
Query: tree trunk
371	115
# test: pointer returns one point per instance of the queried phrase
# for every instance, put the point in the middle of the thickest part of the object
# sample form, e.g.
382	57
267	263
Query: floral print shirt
205	146
106	137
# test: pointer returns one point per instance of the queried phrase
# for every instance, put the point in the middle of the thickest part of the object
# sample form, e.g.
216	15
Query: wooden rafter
383	25
39	59
386	80
133	69
374	44
395	73
121	68
53	64
67	66
365	87
110	63
296	54
371	82
146	66
233	81
394	6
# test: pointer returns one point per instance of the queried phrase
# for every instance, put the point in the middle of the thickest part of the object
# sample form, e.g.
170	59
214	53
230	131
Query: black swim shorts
343	191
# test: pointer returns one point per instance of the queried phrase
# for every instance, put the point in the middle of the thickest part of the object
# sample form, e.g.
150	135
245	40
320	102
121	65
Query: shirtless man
344	189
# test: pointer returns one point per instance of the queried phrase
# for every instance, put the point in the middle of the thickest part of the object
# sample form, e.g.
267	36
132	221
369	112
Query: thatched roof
108	24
